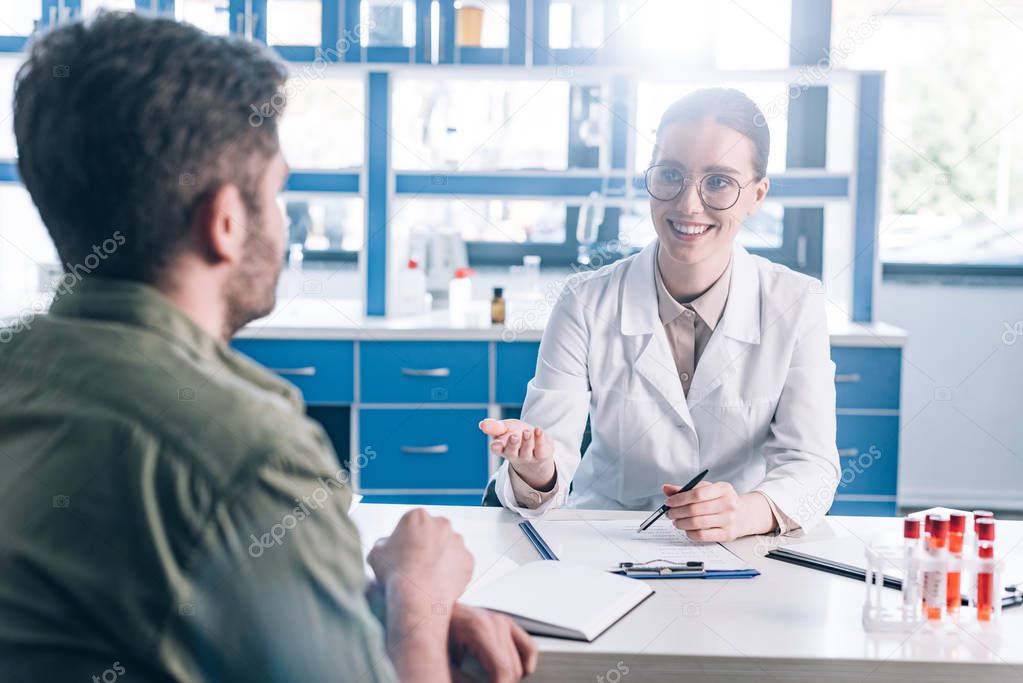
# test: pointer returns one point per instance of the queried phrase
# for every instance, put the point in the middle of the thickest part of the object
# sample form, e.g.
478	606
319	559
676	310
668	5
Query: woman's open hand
528	450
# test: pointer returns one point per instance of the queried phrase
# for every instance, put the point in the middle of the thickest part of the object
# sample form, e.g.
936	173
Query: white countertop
315	318
788	623
307	317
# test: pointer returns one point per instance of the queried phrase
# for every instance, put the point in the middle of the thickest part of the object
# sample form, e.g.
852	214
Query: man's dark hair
729	107
128	122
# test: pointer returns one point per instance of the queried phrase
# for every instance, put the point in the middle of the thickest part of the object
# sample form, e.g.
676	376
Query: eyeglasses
717	191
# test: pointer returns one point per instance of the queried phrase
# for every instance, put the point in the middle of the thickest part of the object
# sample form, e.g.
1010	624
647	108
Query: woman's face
690	232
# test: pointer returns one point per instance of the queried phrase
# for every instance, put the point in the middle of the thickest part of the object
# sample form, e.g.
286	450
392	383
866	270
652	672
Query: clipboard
649	569
1013	594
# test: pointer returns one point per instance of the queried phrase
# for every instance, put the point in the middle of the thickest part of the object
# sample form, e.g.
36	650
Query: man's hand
715	512
528	450
425	558
504	651
424	566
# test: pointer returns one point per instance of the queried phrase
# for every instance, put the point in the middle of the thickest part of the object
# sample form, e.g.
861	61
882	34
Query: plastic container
460	292
410	295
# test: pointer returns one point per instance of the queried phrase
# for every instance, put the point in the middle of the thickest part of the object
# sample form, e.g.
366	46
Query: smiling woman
692	354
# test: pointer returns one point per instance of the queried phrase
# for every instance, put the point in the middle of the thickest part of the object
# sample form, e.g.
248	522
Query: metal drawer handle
431	372
848	452
294	372
442	448
854	377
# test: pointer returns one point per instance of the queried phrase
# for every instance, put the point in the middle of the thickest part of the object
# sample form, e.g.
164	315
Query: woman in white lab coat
692	354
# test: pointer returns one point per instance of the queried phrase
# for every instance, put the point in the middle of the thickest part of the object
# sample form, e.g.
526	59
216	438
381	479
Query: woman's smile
688	231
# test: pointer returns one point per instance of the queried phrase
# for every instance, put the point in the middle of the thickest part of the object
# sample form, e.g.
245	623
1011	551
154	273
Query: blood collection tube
910	575
956	530
923	545
985	570
935	583
977	516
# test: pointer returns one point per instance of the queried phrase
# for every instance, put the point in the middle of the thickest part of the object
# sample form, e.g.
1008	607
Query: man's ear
220	224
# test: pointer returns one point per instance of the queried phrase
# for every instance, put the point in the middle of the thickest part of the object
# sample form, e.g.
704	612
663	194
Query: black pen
664	508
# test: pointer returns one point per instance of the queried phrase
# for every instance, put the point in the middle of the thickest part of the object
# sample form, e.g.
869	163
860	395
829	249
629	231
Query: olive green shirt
168	511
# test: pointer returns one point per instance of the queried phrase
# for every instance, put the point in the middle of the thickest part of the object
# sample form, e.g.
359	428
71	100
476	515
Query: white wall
961	441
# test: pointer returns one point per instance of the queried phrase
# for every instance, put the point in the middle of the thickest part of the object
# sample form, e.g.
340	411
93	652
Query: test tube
977	516
923	545
935	583
985	571
910	575
953	594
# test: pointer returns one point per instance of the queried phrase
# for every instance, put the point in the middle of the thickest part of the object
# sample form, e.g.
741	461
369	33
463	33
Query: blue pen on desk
664	508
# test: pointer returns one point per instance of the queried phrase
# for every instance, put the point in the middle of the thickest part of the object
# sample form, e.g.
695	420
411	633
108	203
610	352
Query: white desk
788	624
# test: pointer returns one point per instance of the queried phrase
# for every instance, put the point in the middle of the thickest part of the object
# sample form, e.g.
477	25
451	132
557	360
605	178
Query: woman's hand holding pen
528	450
714	511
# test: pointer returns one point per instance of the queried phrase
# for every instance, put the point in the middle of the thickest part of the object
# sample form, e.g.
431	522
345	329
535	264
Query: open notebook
605	544
560	599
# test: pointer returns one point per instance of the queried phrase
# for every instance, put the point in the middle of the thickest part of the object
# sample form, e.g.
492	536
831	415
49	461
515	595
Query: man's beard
251	292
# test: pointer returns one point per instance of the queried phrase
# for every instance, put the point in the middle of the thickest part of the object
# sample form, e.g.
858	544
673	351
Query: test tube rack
890	611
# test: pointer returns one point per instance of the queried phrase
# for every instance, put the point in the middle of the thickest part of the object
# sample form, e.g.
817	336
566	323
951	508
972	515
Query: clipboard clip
659	567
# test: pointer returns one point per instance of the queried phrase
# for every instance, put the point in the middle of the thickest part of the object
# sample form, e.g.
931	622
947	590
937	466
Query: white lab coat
760	413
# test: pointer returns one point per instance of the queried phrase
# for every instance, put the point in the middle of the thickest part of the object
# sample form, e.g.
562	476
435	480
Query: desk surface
789	623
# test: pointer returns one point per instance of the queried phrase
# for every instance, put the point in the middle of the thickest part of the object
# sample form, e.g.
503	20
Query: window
469	125
723	35
576	24
8	68
91	7
27	255
484	220
19	18
323	125
389	23
952	181
293	22
212	16
324	223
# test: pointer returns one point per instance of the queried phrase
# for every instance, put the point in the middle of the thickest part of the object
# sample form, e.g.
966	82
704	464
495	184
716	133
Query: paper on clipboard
603	544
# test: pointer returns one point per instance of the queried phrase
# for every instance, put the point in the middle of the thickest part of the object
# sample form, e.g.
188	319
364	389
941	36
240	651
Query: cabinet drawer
867	377
516	365
868	454
470	499
864	508
424	372
321	369
434	448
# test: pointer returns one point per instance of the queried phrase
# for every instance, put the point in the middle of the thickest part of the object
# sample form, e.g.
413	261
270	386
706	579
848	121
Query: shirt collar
710	305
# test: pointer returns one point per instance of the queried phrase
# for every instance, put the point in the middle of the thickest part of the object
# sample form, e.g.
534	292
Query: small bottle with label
497	306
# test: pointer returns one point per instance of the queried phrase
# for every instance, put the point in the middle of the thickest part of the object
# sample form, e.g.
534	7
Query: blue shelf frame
342	41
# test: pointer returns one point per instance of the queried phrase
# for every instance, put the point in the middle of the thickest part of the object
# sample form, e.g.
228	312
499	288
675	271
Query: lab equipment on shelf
497	308
411	297
460	293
